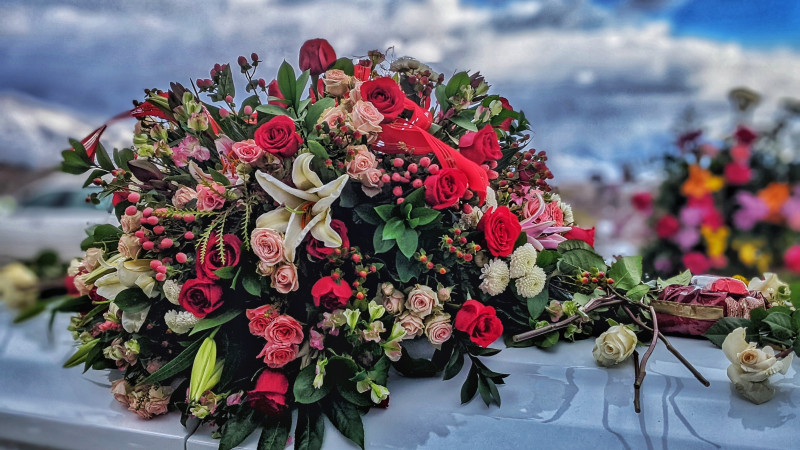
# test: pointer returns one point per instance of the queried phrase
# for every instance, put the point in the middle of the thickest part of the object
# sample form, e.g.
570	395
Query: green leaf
455	83
304	390
226	273
287	82
300	87
780	325
537	304
97	173
215	321
406	267
226	85
577	260
522	239
315	111
125	155
346	418
80	356
795	320
454	365
441	97
470	386
73	163
345	65
574	244
424	216
219	178
638	292
132	300
720	330
367	213
347	389
310	430
385	212
415	198
626	272
30	312
408	242
103	159
464	123
272	110
380	244
547	259
394	228
80	151
682	279
275	433
318	150
252	283
237	428
176	365
548	340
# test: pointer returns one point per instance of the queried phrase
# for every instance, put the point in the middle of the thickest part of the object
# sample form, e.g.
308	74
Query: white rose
129	246
751	367
614	346
18	286
92	258
773	289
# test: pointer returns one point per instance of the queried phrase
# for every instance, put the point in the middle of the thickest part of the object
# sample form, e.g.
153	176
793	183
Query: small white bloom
172	290
180	322
532	284
74	267
491	199
495	276
566	208
523	261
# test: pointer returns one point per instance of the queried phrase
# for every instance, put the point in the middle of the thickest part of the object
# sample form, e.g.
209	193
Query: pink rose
421	300
337	83
247	151
284	278
332	115
371	182
210	198
552	212
284	330
129	246
355	93
366	118
260	318
361	162
438	329
183	196
412	324
267	245
131	223
317	340
121	389
278	355
394	302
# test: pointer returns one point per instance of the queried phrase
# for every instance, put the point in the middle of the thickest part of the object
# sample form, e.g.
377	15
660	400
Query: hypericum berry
188	235
398	162
335	275
373	269
154	264
448	240
416	184
468	257
158	229
228	99
254	56
433	169
188	218
166	243
148	245
457	231
425	162
452	249
161	277
242	61
356	284
161	269
429	265
610	281
356	258
97	181
412	168
594	280
586	274
397	191
362	274
130	210
585	280
601	274
181	257
133	197
423	258
139	234
147	212
400	200
152	220
442	270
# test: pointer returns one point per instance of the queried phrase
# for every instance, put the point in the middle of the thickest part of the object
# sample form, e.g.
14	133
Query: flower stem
589	307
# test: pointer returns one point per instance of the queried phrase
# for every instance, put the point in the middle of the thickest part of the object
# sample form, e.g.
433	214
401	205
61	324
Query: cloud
595	84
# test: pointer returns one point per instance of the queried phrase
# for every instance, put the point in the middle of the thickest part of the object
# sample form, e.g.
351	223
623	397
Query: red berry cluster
459	246
530	168
594	278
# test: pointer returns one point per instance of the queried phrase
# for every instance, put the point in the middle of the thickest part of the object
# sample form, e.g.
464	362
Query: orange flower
700	183
775	195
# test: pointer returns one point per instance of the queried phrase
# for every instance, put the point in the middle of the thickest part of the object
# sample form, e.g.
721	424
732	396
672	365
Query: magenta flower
687	238
542	235
751	210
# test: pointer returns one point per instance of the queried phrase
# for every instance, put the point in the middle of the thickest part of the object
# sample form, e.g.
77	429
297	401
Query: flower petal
322	231
282	193
734	344
276	220
303	176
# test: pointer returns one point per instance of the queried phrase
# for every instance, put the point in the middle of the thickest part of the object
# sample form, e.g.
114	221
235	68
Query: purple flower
687	238
692	217
751	210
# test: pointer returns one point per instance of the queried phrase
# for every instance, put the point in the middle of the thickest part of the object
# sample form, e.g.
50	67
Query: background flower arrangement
276	254
731	209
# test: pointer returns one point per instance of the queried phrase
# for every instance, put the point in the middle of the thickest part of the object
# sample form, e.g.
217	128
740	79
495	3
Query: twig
643	366
636	370
589	307
669	346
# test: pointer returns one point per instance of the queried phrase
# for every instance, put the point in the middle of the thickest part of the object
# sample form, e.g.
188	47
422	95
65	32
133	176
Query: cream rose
412	324
773	289
131	223
183	196
391	299
284	278
80	284
751	367
337	83
371	182
18	286
614	346
421	301
366	118
438	329
362	161
129	246
267	245
355	93
92	258
331	116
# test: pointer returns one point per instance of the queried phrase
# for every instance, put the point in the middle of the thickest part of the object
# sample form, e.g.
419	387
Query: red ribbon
411	137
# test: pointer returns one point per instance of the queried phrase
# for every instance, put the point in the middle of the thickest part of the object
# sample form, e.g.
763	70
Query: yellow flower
716	240
747	254
700	183
741	278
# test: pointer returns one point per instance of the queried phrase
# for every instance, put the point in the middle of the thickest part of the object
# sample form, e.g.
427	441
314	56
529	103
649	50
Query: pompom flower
495	276
532	284
180	322
523	261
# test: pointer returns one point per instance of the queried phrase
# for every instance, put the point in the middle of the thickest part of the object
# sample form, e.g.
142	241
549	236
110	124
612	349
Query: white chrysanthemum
566	208
531	284
172	290
470	221
491	199
495	277
180	322
523	261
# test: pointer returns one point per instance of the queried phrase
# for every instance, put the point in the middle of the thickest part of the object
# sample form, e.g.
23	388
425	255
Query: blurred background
605	83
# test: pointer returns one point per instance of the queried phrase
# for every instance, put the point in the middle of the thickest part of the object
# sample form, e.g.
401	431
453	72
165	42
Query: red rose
444	189
330	294
737	173
385	94
505	125
316	55
501	228
200	296
279	136
696	262
269	395
274	91
642	201
317	248
480	146
232	248
118	197
480	322
791	259
667	227
581	234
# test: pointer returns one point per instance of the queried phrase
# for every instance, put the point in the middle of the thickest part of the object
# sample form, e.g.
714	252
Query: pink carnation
210	198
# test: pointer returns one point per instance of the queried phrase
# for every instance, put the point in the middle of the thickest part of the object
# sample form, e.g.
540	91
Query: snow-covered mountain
33	132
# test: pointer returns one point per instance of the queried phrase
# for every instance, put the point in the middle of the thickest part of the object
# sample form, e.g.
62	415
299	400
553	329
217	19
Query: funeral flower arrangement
732	208
279	252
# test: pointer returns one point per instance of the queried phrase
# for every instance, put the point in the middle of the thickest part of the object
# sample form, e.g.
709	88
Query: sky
602	81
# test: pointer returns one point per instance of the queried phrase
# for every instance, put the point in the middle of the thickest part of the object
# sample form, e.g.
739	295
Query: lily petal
282	193
322	231
277	220
302	174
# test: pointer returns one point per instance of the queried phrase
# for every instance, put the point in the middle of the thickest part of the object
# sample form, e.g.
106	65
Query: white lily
128	274
306	207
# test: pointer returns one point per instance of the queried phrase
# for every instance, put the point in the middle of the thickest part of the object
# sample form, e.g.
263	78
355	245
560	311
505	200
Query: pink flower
332	115
366	118
362	161
421	301
751	211
284	278
183	196
438	329
121	389
210	198
260	318
247	151
316	340
234	399
792	259
284	330
696	262
267	245
371	182
278	355
189	147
